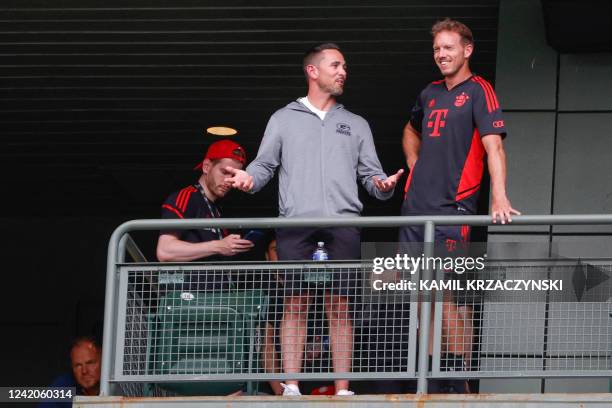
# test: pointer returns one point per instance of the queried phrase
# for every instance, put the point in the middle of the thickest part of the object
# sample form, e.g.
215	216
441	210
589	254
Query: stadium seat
205	333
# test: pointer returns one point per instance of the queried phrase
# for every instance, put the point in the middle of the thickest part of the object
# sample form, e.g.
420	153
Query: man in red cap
199	200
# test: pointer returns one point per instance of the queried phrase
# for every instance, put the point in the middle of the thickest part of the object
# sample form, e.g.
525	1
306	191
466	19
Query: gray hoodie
320	161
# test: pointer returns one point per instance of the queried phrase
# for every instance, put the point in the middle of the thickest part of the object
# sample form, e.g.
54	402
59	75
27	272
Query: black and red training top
446	177
190	203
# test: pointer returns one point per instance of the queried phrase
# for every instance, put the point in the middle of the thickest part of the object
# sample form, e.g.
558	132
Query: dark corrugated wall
102	110
103	103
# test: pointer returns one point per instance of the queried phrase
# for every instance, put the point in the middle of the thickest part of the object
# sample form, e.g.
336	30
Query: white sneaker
291	390
345	393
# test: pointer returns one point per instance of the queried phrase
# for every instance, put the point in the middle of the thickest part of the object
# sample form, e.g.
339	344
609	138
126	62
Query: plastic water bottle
318	276
320	254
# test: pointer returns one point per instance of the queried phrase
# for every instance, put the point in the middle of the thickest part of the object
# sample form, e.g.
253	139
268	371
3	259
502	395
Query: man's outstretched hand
239	179
389	183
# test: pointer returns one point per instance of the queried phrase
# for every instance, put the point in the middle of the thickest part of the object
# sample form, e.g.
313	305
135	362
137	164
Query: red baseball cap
224	149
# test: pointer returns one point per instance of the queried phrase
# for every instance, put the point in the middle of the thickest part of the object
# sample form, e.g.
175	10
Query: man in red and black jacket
456	123
199	200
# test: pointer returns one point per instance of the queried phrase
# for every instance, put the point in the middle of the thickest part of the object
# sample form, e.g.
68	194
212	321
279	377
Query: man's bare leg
340	335
270	361
293	333
460	331
457	330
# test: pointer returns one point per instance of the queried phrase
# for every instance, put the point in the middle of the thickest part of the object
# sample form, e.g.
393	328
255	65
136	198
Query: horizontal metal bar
362	401
225	266
266	376
280	222
517	373
336	264
171	378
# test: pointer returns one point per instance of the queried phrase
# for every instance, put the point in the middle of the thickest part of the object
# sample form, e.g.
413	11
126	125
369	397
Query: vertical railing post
426	273
122	248
116	251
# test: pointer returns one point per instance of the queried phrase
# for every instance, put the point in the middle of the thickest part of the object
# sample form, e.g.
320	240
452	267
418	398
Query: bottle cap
320	243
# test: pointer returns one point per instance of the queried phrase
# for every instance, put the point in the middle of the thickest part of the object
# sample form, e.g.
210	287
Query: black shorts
298	244
450	241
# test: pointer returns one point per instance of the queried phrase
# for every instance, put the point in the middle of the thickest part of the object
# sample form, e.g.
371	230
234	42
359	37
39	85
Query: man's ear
468	50
312	71
206	166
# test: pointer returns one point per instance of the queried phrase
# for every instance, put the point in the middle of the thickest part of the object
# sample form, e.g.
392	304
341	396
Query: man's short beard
457	70
337	92
333	90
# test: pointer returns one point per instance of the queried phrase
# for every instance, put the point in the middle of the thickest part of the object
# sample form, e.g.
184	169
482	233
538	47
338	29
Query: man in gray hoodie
321	150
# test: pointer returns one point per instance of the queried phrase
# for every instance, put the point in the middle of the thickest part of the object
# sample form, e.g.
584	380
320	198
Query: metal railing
176	322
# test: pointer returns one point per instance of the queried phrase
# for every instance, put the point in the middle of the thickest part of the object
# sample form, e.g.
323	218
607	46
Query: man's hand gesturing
389	183
240	179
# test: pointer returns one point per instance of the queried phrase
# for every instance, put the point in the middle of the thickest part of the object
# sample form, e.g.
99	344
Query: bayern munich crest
460	100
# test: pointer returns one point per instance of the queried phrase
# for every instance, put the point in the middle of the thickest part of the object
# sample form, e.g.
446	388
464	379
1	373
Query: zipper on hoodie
323	169
323	181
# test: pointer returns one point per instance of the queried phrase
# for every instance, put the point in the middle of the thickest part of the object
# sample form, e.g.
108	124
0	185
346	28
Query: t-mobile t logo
437	120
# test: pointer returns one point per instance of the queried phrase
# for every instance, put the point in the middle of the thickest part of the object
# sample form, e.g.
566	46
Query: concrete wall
558	111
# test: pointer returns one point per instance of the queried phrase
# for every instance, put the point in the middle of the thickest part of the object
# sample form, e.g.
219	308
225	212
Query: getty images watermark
523	272
454	279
